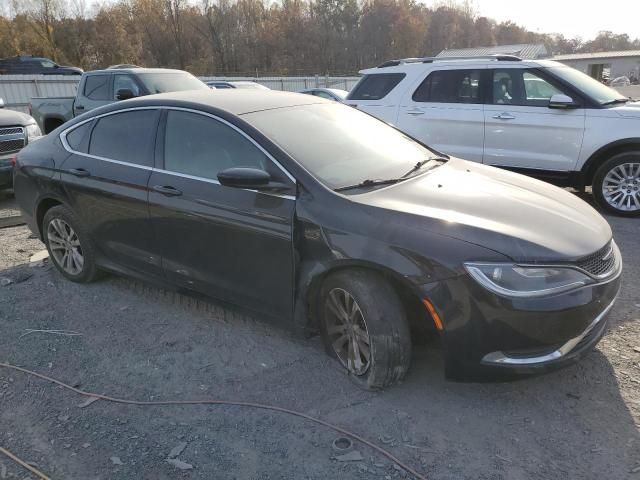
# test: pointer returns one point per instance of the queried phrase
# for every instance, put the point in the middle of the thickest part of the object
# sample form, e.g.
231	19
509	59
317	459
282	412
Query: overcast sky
584	18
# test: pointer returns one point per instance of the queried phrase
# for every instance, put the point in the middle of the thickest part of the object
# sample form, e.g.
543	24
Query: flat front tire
69	247
616	184
364	326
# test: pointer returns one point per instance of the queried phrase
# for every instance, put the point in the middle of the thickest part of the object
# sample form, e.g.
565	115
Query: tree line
258	37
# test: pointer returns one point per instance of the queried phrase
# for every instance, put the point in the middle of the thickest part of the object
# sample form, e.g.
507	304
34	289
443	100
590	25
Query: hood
517	216
10	118
629	110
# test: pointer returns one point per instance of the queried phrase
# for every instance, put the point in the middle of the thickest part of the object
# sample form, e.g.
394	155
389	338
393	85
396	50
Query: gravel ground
141	342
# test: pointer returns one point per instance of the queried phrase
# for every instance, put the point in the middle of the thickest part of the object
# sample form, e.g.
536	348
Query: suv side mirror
241	177
124	94
561	101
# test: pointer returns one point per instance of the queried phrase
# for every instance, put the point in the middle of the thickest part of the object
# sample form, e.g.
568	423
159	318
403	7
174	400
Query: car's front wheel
616	184
364	325
70	248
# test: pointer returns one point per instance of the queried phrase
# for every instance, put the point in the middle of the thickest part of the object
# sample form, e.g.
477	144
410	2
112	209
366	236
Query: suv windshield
590	86
171	82
340	145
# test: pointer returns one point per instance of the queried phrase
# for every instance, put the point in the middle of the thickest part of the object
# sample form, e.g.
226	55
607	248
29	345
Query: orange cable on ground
357	437
24	464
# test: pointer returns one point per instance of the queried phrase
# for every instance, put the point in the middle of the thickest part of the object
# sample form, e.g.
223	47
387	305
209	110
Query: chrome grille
600	263
11	146
11	131
12	139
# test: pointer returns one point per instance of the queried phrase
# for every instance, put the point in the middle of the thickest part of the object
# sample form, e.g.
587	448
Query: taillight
13	160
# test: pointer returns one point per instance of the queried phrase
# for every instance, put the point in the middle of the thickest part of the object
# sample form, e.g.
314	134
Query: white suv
536	117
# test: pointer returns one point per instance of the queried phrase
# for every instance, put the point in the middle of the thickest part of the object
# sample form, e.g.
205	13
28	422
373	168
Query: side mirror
561	101
1	102
241	177
124	94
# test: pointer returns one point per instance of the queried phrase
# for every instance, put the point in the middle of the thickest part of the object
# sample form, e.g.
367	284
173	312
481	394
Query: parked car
620	82
221	84
17	129
315	213
537	117
27	65
102	87
334	94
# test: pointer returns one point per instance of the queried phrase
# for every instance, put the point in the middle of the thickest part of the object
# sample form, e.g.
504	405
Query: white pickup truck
101	87
536	117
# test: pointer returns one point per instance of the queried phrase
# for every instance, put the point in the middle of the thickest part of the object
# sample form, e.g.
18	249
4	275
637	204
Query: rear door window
375	86
96	87
450	86
126	137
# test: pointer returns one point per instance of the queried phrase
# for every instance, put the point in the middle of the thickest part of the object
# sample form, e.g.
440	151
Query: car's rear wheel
616	184
69	247
364	326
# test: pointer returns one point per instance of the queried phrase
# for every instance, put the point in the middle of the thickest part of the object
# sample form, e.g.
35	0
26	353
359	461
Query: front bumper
486	336
6	171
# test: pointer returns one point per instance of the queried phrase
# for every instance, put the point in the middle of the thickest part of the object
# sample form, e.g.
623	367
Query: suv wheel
364	326
69	247
616	184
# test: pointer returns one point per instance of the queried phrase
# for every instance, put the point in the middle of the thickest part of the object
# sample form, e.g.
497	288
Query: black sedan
314	213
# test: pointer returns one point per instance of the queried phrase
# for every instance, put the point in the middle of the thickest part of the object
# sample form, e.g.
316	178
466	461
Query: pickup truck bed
51	112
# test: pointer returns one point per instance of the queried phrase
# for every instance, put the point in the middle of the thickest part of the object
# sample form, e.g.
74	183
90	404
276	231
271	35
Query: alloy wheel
347	331
621	187
65	246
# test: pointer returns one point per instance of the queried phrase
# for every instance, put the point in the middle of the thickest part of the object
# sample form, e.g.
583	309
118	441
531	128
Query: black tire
384	318
598	187
88	272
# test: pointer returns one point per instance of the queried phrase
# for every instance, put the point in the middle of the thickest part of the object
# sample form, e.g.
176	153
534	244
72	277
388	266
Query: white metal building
522	50
608	65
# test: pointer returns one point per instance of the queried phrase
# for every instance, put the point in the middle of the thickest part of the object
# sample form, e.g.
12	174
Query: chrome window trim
67	147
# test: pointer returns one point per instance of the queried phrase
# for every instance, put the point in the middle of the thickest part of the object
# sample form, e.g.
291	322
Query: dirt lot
140	342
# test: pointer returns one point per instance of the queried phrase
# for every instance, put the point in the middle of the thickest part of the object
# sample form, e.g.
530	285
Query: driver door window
200	146
521	87
125	82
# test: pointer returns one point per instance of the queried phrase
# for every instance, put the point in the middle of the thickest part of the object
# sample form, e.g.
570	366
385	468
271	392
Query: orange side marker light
436	318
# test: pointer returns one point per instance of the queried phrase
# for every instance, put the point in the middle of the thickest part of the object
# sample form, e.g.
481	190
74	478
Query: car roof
137	70
232	101
403	67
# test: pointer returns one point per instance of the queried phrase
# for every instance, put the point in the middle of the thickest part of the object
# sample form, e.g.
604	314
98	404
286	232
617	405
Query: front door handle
504	116
79	107
78	172
167	190
415	112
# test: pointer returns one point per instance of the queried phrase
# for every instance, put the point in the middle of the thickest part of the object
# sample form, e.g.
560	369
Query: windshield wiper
369	183
613	102
421	164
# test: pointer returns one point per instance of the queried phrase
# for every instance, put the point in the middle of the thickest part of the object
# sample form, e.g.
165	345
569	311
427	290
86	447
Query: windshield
171	82
340	145
590	86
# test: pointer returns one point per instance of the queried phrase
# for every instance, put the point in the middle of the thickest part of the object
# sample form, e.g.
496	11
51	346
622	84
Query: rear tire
616	184
69	247
364	326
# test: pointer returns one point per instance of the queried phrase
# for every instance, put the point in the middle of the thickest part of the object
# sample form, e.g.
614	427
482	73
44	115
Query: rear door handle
504	116
167	190
79	107
78	172
415	112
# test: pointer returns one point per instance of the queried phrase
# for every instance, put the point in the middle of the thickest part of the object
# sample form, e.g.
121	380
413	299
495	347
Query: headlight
33	132
521	281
